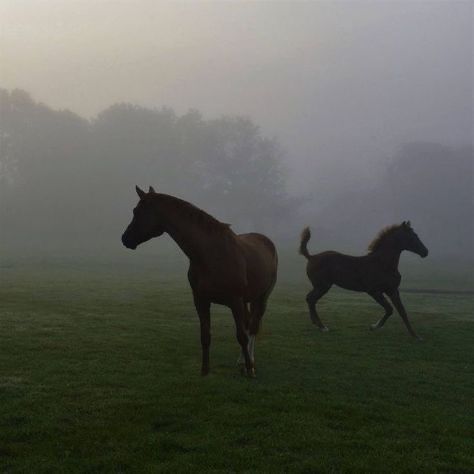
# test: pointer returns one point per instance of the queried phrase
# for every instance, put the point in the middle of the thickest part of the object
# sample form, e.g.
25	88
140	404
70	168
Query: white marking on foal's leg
377	325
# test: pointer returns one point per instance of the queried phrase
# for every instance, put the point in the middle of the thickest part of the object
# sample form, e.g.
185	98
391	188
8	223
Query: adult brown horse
225	268
375	273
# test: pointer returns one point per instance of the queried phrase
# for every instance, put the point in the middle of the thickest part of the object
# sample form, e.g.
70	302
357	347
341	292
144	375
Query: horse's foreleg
381	300
397	302
204	312
239	313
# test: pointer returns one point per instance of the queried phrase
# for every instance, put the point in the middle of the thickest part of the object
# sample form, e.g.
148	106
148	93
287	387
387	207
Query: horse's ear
151	190
408	224
140	192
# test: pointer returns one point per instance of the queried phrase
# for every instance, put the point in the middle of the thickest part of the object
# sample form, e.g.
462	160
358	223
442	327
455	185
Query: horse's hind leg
312	298
241	359
257	310
239	313
381	300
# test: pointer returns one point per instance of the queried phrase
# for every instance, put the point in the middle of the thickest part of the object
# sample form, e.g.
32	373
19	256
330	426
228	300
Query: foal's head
399	237
409	240
145	223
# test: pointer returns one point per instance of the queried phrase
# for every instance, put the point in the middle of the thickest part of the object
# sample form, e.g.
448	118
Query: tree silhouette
66	177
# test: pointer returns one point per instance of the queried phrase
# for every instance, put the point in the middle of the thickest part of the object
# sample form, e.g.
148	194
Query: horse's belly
353	286
220	289
226	291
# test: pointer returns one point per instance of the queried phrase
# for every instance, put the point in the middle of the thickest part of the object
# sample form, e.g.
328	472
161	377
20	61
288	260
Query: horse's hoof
251	373
204	372
373	327
324	329
419	338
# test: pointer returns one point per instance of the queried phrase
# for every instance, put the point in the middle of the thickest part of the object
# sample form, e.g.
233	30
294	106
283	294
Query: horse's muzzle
127	243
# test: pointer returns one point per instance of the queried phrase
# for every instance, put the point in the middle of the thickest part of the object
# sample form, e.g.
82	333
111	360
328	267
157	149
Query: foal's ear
140	192
151	190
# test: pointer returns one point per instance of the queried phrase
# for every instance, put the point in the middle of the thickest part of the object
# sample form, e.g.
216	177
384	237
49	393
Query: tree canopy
68	180
56	166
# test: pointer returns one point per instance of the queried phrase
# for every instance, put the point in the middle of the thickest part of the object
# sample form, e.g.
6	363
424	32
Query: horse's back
326	265
347	271
331	257
256	240
258	246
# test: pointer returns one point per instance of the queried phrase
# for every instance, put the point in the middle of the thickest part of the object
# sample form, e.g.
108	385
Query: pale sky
341	84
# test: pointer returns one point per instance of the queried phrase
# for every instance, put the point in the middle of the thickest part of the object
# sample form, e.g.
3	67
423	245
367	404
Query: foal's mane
381	236
193	214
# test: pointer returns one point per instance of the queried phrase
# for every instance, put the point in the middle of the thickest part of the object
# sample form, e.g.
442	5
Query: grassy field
99	372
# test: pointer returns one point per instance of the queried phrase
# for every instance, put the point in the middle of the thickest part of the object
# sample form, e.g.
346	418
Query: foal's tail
305	236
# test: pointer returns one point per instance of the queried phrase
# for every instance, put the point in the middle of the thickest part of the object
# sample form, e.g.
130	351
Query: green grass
99	372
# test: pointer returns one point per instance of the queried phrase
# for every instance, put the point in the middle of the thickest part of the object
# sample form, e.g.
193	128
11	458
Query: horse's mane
381	236
194	214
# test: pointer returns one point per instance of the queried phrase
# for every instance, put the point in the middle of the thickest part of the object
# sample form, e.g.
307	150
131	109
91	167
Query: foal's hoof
204	372
324	329
374	327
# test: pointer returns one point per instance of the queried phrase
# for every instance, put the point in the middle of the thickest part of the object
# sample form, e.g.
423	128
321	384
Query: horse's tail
305	236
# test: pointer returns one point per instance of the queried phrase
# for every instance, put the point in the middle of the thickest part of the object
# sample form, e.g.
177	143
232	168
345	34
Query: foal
375	273
238	271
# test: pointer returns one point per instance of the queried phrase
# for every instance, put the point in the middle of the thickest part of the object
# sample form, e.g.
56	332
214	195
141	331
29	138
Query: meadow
100	372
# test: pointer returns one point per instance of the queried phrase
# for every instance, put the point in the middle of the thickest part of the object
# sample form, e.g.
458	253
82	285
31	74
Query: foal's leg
312	298
203	308
239	313
397	302
382	301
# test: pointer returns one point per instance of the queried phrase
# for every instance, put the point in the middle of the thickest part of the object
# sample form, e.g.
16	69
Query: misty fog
345	116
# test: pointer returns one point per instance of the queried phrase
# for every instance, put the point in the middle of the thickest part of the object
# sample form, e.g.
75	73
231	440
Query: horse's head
145	223
410	241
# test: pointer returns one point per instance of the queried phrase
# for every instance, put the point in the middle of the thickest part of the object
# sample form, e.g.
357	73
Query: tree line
64	176
65	179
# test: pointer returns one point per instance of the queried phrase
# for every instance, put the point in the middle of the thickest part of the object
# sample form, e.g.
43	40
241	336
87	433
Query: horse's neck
190	241
389	254
191	238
